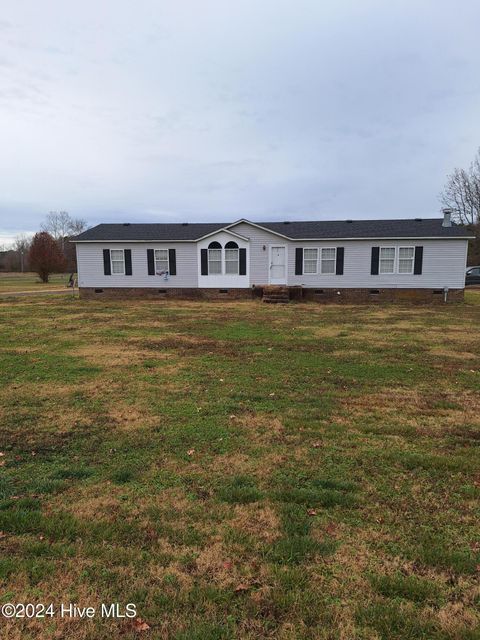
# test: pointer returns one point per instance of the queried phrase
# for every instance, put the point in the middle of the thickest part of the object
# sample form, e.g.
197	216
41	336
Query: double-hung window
387	260
117	258
231	258
406	257
161	261
328	259
310	261
215	258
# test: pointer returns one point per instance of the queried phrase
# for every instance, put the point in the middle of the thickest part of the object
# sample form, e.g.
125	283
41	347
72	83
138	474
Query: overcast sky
183	110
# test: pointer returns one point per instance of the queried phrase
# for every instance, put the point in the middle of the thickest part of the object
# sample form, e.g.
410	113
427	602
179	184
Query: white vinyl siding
117	259
91	272
161	261
443	266
259	244
406	256
329	256
444	263
387	260
225	249
310	261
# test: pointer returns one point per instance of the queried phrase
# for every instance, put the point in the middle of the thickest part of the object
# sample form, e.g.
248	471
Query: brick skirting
348	296
412	296
159	293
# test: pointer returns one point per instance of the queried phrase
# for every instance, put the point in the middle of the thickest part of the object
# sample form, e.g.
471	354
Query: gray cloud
152	111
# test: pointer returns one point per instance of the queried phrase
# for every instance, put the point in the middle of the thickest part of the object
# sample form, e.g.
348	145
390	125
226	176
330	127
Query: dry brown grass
166	405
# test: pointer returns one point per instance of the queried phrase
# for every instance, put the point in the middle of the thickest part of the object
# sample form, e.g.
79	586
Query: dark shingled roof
154	231
408	228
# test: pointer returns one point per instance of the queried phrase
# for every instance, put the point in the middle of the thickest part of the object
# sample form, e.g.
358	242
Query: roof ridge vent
349	221
184	224
286	222
127	224
418	219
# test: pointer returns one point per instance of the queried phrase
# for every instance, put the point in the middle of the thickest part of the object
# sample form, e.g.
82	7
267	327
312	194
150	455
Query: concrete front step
276	294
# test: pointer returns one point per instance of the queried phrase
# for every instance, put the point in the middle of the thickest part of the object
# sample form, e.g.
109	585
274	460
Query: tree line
49	250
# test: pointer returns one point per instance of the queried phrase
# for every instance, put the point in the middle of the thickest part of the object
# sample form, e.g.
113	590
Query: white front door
278	264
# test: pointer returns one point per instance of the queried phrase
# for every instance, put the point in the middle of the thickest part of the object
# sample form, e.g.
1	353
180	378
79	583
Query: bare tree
60	226
462	193
77	225
21	245
57	224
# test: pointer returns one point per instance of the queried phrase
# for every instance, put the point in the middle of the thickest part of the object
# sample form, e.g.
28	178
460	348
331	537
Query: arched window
231	258
215	258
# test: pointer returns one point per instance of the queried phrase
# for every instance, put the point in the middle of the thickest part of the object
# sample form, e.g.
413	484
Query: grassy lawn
240	470
10	281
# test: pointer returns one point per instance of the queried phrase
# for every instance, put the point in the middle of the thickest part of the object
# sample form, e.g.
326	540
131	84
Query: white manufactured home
352	260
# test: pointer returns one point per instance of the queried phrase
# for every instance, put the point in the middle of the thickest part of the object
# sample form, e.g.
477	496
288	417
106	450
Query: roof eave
258	226
325	238
225	230
130	241
384	238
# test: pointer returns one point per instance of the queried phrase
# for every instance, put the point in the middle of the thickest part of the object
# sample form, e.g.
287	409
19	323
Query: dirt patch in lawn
257	520
113	355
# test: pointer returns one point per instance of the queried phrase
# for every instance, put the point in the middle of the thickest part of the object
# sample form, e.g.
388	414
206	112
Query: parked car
472	276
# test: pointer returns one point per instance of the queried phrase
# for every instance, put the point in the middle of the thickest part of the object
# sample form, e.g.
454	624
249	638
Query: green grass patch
407	587
240	470
239	490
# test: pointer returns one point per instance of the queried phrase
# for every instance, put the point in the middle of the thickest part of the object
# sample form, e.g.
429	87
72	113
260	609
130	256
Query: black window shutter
151	262
107	269
204	262
172	261
375	261
242	265
128	262
418	262
339	264
298	261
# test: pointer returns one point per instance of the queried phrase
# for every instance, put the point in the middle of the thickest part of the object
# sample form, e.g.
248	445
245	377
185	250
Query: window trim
328	273
387	273
155	259
319	262
396	260
221	272
311	273
112	272
237	261
406	273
